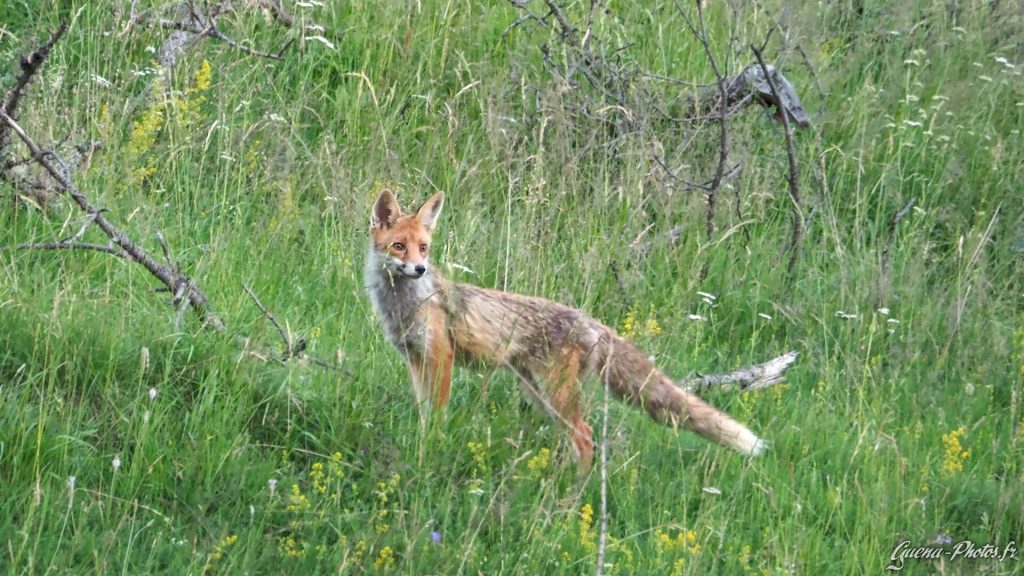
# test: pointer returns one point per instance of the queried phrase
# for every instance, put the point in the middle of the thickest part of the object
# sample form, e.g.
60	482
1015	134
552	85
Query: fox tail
632	376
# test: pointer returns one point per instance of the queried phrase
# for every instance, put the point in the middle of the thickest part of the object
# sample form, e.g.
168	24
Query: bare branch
794	169
751	378
723	130
288	352
883	278
214	32
174	281
275	8
568	30
193	25
29	66
66	245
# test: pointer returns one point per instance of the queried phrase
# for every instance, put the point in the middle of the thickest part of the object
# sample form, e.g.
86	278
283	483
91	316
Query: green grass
897	425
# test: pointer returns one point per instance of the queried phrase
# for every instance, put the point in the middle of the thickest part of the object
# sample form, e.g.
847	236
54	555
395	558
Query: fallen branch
174	281
747	379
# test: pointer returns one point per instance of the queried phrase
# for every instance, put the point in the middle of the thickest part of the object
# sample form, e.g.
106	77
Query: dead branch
184	291
288	350
751	86
883	277
65	245
747	379
192	25
29	66
174	281
794	169
280	14
723	129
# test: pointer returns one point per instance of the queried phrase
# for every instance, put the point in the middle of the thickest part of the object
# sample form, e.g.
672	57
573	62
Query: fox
551	348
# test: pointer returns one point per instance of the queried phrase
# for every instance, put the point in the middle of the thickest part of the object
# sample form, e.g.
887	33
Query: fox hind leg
564	388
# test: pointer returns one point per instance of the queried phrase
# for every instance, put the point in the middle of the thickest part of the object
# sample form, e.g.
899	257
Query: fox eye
423	248
398	246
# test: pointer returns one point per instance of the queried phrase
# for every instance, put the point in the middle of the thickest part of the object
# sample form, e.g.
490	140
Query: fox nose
421	269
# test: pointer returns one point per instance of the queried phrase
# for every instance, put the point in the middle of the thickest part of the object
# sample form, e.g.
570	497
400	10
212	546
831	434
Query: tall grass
902	420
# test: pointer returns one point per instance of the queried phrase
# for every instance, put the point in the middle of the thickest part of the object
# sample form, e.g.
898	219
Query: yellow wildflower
317	476
479	453
360	550
218	550
955	457
538	463
588	537
290	547
201	80
335	466
297	501
385	559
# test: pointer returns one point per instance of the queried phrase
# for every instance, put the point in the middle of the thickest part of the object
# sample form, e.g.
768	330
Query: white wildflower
1005	62
322	40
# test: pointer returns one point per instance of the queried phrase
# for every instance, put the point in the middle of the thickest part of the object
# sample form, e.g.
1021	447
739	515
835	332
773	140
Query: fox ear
385	210
431	209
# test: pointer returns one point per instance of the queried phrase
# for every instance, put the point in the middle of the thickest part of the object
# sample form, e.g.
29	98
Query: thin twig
568	30
794	169
66	245
883	277
166	250
288	353
723	128
623	293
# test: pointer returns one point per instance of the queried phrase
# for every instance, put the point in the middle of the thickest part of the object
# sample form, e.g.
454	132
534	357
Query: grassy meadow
135	440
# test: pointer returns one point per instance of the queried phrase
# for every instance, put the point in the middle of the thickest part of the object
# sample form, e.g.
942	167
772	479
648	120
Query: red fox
551	348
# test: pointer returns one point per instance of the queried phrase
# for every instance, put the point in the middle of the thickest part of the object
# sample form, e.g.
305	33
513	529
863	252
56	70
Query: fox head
402	243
